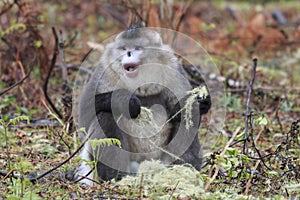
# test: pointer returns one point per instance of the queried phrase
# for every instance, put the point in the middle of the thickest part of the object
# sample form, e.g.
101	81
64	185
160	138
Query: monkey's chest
148	133
151	146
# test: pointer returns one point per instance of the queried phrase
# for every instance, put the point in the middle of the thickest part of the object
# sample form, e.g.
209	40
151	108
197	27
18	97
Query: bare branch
247	104
53	61
62	57
19	82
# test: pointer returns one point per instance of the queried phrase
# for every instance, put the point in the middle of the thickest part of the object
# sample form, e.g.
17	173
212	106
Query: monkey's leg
112	161
118	165
193	155
104	172
185	144
84	169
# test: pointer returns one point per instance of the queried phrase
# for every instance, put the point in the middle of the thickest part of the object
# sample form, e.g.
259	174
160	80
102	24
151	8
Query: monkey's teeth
131	69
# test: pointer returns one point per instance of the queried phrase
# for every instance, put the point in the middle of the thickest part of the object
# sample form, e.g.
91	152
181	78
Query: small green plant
6	123
262	120
17	185
14	27
6	101
207	27
233	103
10	101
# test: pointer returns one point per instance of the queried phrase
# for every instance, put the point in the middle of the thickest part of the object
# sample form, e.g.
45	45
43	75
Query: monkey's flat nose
129	53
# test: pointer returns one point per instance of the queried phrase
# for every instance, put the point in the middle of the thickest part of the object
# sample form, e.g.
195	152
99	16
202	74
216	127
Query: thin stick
5	175
184	12
217	167
100	184
258	136
247	105
173	190
53	61
251	177
85	176
141	187
62	56
67	97
7	8
17	83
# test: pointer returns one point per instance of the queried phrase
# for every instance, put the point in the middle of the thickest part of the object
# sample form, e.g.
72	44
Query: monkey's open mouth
131	69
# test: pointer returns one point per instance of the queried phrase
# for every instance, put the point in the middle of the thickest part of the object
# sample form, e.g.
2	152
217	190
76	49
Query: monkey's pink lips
131	69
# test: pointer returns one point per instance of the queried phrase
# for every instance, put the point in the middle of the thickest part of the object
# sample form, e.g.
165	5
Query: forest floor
37	132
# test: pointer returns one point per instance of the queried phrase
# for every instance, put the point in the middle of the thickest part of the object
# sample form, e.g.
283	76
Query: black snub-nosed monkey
138	71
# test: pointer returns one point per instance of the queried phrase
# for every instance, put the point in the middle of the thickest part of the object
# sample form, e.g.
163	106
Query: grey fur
160	86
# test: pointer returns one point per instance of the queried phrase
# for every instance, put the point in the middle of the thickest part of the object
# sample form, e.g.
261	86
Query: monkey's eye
123	48
138	48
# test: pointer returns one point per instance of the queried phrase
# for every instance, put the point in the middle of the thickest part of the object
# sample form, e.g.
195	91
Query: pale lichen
184	180
146	118
198	92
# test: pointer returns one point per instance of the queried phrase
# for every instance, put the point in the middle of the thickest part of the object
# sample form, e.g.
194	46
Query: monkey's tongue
131	69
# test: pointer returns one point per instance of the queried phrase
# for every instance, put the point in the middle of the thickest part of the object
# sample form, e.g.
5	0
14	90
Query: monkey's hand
134	106
202	97
118	102
204	104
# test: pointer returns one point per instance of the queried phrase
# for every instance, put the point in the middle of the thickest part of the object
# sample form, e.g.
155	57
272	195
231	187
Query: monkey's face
133	50
138	59
131	58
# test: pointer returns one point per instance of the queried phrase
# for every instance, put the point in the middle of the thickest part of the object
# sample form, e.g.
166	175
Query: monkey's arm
116	102
200	106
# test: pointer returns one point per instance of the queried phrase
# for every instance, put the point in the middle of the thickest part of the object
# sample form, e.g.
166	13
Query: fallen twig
86	177
6	174
99	183
251	177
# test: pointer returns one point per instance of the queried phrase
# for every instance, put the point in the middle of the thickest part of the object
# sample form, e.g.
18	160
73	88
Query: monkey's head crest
137	31
133	31
135	26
